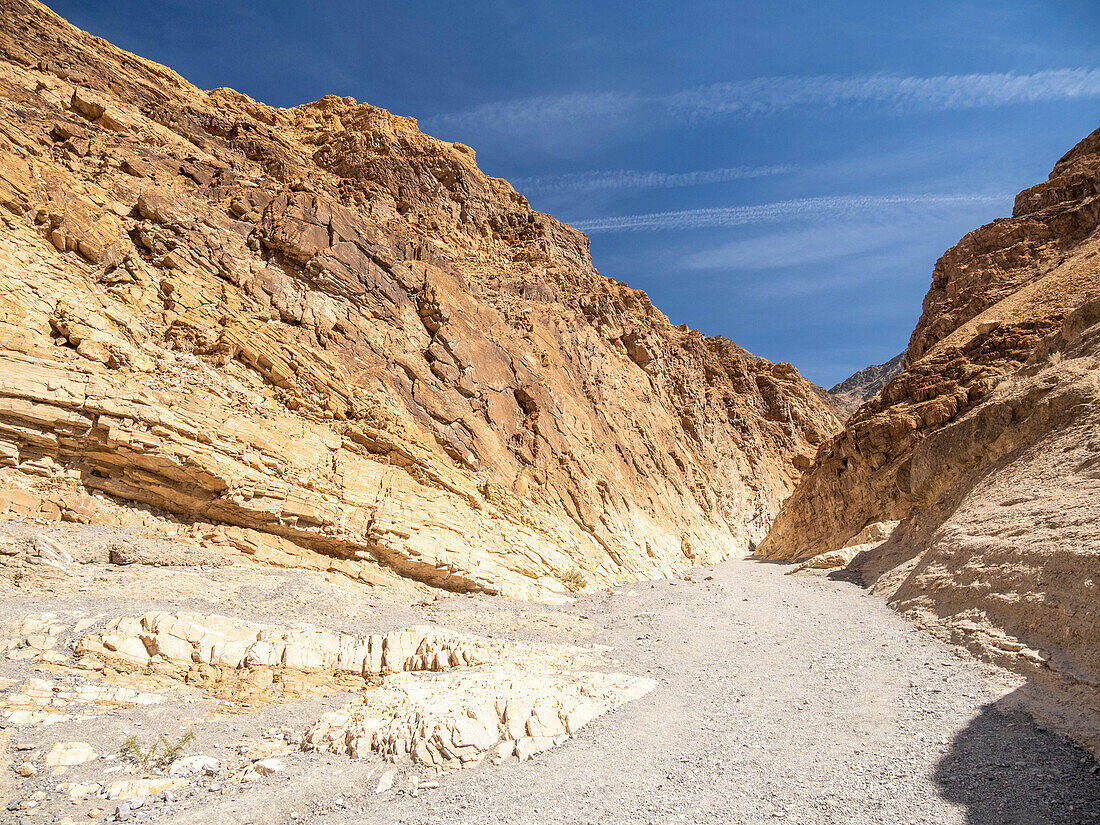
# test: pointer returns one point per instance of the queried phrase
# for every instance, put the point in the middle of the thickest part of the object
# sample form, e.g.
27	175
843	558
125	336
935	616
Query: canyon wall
986	449
334	342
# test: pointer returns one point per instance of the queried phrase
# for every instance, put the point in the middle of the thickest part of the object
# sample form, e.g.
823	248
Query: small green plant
160	754
574	579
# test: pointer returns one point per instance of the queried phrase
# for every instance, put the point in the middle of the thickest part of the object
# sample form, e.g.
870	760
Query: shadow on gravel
846	575
765	560
1007	770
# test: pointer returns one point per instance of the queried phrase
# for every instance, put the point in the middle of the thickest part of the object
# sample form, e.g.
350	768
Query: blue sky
782	173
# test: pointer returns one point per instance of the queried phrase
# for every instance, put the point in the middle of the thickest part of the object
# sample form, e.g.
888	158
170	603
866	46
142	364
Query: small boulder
266	767
198	764
530	746
88	103
385	782
50	551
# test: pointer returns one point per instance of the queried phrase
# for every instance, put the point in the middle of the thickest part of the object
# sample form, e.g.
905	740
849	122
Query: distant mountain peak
868	381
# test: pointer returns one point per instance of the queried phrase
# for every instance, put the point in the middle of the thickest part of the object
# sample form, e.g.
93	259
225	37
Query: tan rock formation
64	754
175	643
329	331
994	296
986	449
866	540
48	701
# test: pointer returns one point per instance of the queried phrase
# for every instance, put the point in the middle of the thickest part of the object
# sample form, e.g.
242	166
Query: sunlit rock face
334	335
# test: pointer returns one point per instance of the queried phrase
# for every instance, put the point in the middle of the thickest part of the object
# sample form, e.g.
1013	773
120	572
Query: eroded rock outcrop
994	297
525	702
424	694
986	448
334	333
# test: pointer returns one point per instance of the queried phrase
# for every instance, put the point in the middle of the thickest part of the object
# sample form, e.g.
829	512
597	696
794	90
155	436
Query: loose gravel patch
779	699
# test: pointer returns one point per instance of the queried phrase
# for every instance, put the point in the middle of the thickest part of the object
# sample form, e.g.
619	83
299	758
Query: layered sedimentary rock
986	449
426	694
324	329
526	700
994	297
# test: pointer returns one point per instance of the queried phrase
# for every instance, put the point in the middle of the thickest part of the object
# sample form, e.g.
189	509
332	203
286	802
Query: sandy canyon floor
799	699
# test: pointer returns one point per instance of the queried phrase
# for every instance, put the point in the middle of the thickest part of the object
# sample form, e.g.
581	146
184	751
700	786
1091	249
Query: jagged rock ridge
863	385
985	448
338	343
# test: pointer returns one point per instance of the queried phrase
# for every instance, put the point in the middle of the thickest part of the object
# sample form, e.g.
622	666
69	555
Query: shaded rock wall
994	297
986	449
1006	557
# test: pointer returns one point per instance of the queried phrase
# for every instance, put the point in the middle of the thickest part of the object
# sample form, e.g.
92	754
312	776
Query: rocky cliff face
864	385
334	342
986	449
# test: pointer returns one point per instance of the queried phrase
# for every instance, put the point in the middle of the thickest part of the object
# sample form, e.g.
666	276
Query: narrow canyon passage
325	447
789	698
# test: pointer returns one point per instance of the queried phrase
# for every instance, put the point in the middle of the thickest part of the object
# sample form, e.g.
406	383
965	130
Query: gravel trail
780	698
797	699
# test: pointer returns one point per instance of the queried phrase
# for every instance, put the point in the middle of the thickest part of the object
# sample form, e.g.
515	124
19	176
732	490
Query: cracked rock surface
335	342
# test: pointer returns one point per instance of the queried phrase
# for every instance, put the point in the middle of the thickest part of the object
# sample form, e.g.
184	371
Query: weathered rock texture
524	701
986	448
258	664
425	694
866	540
335	334
864	385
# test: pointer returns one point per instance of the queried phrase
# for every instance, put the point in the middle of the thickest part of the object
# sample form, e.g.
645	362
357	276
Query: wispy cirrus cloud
767	95
548	121
808	245
822	207
616	179
834	252
546	118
